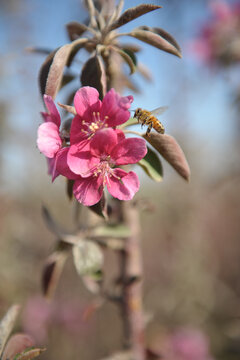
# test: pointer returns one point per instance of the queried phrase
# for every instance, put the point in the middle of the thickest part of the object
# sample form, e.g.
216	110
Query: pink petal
88	191
125	187
62	166
53	112
120	134
103	142
80	159
129	151
49	141
86	101
116	108
76	133
221	10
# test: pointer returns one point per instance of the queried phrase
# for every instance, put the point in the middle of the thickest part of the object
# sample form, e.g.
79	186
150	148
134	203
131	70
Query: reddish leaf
93	74
6	325
133	13
168	147
57	65
17	344
75	29
164	34
156	40
44	70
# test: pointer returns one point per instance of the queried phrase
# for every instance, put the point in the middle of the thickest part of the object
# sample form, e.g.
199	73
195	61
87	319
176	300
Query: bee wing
159	111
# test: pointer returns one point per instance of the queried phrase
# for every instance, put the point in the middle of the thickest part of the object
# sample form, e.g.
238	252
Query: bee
149	118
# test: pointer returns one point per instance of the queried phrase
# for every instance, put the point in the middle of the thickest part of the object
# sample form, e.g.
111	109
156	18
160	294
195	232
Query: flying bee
149	118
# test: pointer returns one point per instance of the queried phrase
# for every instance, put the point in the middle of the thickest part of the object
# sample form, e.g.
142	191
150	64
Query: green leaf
152	166
29	354
168	147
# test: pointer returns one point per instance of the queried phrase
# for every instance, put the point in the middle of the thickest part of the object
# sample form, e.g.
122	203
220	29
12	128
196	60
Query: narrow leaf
76	46
38	50
70	184
152	166
128	59
75	29
100	208
29	354
56	67
6	325
68	108
52	272
170	150
156	40
17	344
132	55
93	74
44	70
164	34
51	223
133	13
131	47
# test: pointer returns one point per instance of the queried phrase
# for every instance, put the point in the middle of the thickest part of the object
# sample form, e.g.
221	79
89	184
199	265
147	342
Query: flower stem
131	267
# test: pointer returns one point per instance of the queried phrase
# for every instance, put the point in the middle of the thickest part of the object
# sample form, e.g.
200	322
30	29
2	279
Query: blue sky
200	105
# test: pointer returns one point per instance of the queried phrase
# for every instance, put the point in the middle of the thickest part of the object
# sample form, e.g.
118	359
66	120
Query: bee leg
149	129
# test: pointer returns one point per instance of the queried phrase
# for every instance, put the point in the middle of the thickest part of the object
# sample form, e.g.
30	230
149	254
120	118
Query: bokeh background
191	241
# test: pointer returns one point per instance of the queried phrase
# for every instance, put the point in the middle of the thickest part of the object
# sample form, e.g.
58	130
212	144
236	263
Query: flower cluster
91	156
218	40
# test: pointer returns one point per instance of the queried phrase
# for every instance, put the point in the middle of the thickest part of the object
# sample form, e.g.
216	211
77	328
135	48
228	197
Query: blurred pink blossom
188	344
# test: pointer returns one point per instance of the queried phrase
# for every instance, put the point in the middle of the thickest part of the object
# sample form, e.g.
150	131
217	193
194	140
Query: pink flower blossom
218	40
95	167
94	114
188	344
49	141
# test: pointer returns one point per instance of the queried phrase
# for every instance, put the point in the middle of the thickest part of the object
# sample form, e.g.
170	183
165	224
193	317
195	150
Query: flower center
90	128
104	169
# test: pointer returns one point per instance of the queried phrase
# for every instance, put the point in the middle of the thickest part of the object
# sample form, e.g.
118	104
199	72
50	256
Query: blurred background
191	241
